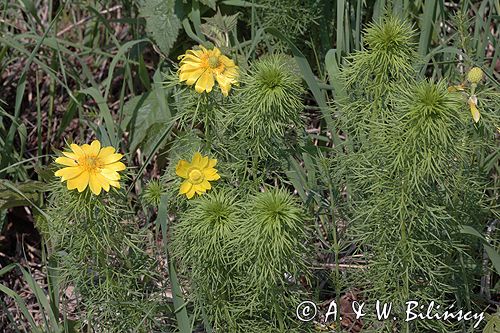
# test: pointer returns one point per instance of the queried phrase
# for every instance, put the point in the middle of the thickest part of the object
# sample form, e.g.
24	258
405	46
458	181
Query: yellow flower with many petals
90	165
204	66
198	173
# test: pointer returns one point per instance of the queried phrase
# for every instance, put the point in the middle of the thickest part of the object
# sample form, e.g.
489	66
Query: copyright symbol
306	311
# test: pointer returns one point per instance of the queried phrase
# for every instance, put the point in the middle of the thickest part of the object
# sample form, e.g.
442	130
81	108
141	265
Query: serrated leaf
222	22
161	22
209	3
217	28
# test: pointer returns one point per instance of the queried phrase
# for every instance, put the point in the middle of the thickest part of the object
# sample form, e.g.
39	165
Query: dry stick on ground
84	20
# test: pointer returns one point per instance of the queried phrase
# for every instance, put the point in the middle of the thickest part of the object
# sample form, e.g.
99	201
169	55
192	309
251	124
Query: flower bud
475	75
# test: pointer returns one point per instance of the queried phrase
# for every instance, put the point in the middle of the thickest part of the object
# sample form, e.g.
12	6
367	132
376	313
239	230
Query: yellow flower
90	165
473	108
203	66
197	174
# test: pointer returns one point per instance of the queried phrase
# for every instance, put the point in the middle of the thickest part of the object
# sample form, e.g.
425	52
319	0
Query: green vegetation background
74	70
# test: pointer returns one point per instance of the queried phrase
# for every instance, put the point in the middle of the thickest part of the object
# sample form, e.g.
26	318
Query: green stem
404	242
336	247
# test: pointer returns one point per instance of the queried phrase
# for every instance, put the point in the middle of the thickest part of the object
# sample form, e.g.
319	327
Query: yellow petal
95	147
190	67
110	174
216	52
211	174
114	183
204	162
117	166
70	155
199	189
206	185
197	160
223	80
77	150
212	163
196	53
460	87
66	161
190	58
226	61
86	149
68	173
190	193
79	182
225	90
104	182
475	113
185	187
205	82
190	76
182	168
112	158
106	151
72	184
94	184
231	73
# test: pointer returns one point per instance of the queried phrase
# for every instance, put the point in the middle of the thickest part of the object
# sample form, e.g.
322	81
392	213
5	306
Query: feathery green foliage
273	237
244	259
103	255
202	242
267	106
389	198
292	17
152	194
411	183
388	59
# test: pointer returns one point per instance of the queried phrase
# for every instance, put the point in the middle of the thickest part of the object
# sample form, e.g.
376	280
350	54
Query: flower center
213	62
195	176
90	163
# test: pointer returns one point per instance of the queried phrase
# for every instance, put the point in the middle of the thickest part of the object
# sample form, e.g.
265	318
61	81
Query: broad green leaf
144	118
209	3
26	193
492	253
161	22
334	73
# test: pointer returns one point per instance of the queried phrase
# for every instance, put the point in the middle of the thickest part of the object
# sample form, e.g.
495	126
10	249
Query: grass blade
181	314
105	113
426	26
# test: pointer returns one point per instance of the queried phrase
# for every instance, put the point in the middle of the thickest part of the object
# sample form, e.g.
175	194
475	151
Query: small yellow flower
197	174
473	108
90	165
203	66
